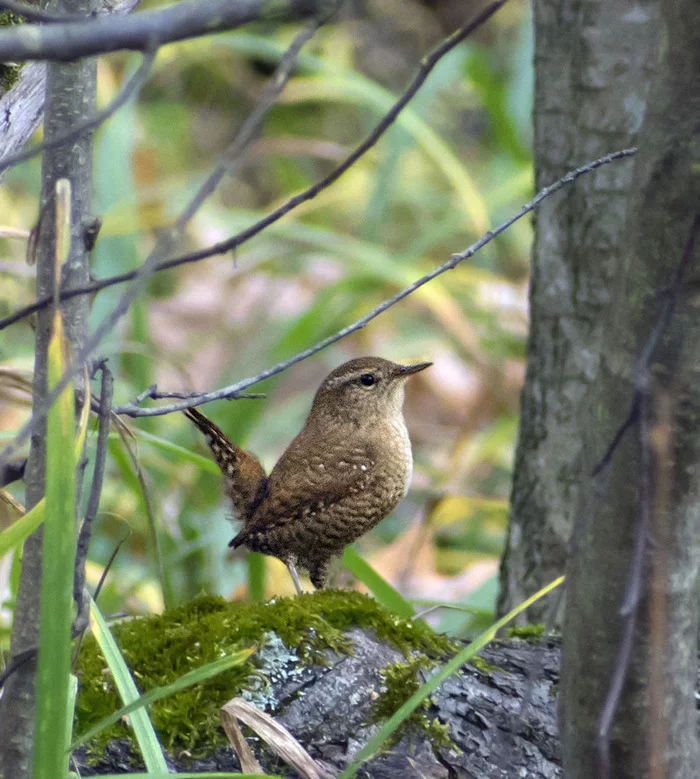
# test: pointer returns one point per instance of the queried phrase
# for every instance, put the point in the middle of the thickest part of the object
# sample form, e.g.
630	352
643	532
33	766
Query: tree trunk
650	489
70	97
593	62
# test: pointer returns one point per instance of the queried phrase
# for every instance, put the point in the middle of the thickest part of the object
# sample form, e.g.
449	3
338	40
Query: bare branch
95	489
133	410
308	194
629	607
186	19
152	394
132	86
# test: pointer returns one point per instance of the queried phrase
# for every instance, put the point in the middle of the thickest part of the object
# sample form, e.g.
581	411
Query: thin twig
110	562
230	244
17	662
103	578
12	472
95	489
132	409
630	420
629	610
153	394
132	450
132	87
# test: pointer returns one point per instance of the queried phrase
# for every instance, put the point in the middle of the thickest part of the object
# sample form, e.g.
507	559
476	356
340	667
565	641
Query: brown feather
244	477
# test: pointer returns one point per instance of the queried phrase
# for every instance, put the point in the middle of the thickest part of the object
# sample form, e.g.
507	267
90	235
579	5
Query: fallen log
495	718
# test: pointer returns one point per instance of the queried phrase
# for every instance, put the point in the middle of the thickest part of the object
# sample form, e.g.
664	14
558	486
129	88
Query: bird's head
364	390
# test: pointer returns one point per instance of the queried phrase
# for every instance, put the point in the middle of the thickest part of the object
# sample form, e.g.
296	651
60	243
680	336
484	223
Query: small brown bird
346	470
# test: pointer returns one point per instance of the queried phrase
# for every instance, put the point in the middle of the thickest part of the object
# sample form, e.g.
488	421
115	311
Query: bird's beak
407	370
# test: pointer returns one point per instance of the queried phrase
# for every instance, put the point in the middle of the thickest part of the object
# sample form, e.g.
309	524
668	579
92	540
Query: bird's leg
295	576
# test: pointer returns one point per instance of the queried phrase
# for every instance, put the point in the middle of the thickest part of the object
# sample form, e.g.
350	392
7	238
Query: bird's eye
367	379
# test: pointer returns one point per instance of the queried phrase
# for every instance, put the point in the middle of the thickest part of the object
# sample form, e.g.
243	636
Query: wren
348	468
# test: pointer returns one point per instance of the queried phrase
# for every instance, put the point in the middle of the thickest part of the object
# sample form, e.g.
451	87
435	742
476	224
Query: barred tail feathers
244	476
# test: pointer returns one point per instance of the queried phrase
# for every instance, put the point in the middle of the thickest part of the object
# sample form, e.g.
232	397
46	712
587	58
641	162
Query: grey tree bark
654	475
70	96
593	62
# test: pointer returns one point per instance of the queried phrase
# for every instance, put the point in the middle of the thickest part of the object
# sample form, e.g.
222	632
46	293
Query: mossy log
330	667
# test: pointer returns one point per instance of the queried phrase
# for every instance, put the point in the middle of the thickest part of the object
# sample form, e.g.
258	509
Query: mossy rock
288	633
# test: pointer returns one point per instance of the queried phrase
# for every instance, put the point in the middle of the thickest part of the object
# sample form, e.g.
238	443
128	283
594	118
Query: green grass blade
55	612
205	775
186	680
437	679
129	463
70	708
378	586
205	463
143	728
22	528
256	576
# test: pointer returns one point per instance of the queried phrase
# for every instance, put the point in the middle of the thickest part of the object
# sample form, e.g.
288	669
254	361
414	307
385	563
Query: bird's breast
402	454
393	462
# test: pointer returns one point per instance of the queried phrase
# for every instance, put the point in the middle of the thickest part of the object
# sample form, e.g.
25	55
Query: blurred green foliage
456	163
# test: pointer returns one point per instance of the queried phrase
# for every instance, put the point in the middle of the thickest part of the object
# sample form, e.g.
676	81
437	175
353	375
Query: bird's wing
302	485
244	477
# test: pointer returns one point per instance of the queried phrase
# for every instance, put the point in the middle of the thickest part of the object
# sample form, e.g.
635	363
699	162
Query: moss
9	71
160	649
7	19
400	682
536	630
484	667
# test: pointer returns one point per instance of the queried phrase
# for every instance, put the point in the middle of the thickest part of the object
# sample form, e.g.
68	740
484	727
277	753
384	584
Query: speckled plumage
347	469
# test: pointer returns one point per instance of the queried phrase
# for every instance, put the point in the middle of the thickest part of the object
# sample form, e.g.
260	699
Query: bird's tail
244	477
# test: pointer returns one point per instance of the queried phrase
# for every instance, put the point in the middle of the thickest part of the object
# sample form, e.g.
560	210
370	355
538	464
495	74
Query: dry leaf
278	738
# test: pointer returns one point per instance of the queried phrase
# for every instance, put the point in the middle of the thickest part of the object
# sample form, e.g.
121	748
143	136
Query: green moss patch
400	682
9	72
7	19
484	666
535	630
160	649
